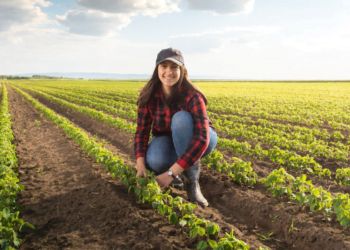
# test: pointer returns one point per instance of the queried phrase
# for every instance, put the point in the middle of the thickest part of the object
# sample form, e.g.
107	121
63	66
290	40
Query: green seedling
275	218
265	237
43	241
291	226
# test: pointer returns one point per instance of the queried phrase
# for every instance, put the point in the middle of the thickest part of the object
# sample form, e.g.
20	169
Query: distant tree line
13	77
9	77
45	77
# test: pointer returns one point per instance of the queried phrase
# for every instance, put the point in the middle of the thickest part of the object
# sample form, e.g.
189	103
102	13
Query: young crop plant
282	184
10	223
279	183
147	189
343	175
239	171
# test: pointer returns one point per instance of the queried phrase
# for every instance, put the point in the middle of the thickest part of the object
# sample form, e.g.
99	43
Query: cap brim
171	59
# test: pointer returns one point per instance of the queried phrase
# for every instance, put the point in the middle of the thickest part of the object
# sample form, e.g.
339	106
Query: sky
235	39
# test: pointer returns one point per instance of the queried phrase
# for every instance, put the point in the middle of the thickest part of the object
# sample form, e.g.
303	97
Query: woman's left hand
164	180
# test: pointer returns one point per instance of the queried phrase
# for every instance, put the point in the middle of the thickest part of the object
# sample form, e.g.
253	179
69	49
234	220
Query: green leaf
201	231
193	232
211	228
316	192
6	213
173	218
163	209
212	243
202	245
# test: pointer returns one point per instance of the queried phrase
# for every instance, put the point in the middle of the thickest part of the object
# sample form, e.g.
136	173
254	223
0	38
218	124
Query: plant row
99	115
10	223
122	109
297	119
116	96
239	171
306	134
307	111
301	190
279	138
148	190
281	184
89	96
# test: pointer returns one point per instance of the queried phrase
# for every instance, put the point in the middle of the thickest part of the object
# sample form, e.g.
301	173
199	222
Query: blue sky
237	39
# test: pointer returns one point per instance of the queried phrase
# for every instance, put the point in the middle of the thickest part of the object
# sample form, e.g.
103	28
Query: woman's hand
141	171
141	168
164	180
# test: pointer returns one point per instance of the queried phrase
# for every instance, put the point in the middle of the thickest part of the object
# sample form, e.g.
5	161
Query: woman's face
169	74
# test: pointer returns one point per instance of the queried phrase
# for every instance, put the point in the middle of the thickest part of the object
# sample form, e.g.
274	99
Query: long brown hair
149	90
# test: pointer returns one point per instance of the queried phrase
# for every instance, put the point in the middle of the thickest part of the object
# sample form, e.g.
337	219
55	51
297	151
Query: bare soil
247	211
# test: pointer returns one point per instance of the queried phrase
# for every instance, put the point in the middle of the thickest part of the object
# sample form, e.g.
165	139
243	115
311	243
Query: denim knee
182	120
160	155
157	165
212	142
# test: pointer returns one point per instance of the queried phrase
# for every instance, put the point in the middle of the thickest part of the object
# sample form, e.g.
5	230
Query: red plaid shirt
157	114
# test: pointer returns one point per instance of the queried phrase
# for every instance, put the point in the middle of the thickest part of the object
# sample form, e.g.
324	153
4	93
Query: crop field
278	179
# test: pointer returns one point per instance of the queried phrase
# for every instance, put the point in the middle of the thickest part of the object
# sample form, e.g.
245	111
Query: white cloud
99	18
211	40
52	50
221	6
148	8
16	13
93	22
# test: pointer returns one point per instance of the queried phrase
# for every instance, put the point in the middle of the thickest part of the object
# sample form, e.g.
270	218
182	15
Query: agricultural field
278	179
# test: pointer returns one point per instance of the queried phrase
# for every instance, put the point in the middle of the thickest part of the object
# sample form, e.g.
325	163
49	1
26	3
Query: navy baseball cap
170	54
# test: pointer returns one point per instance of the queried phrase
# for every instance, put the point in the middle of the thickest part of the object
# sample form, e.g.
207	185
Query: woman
174	108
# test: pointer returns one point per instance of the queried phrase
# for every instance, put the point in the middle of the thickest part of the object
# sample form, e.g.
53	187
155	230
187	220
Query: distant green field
314	91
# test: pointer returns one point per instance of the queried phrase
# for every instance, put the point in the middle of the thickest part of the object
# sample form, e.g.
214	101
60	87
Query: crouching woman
175	110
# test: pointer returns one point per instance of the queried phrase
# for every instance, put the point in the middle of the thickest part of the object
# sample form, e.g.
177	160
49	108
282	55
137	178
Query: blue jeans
163	151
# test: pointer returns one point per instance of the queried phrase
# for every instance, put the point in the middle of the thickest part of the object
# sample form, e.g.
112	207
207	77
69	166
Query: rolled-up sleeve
144	123
200	140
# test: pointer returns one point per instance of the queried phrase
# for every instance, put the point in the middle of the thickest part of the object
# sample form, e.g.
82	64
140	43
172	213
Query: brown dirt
69	199
247	211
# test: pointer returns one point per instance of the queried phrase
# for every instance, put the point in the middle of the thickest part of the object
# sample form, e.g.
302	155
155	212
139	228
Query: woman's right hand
141	167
